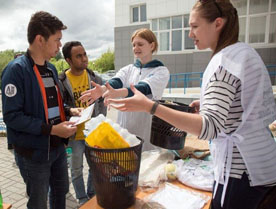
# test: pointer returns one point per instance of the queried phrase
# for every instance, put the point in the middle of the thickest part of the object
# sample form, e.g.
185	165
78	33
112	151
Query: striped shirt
222	112
52	101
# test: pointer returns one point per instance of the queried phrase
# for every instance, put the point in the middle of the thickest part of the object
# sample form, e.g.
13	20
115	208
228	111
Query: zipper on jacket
49	142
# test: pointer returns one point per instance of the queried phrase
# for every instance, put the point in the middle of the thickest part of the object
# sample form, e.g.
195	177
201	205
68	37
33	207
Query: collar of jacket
28	55
151	64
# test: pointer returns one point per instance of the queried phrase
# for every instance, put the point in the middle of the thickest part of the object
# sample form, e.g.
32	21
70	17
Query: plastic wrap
152	169
174	197
195	173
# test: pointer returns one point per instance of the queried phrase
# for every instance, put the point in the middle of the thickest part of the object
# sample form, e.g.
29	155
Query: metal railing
185	78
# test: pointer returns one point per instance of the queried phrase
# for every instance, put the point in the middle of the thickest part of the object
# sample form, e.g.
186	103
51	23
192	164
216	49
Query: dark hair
146	34
66	49
212	9
44	24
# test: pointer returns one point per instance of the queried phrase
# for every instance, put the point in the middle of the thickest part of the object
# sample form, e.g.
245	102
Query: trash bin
115	174
164	134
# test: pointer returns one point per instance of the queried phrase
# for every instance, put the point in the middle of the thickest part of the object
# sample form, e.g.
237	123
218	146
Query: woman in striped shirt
235	109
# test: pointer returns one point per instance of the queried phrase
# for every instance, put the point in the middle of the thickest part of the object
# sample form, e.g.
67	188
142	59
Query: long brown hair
212	9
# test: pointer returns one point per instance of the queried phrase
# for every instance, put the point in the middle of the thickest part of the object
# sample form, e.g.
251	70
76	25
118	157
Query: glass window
257	29
258	6
156	35
176	40
272	29
135	14
143	13
273	6
164	41
241	6
242	26
154	25
177	22
164	23
189	43
186	21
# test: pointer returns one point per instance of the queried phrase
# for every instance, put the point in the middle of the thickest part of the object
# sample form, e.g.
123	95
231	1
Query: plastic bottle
69	155
1	201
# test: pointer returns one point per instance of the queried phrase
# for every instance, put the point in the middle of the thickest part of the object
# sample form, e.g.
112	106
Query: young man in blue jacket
75	80
35	116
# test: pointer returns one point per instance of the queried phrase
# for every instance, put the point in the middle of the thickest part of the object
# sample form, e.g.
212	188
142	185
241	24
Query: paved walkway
11	183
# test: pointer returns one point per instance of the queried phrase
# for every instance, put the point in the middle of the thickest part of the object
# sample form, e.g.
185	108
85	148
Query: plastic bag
152	169
174	197
104	133
104	136
195	173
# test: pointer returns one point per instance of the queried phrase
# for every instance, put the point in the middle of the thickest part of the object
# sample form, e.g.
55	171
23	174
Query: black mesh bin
115	175
164	134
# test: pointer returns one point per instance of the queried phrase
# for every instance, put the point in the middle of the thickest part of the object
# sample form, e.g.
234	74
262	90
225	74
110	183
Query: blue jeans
40	176
76	164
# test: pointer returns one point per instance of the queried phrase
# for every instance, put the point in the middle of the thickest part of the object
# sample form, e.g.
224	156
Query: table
140	194
6	206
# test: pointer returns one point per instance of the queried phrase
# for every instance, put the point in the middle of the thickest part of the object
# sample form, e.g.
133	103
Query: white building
169	21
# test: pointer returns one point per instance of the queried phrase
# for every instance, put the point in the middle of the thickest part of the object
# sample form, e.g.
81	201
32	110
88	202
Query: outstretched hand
111	93
137	103
91	95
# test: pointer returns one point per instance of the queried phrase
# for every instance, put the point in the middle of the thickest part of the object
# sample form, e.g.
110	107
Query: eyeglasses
216	4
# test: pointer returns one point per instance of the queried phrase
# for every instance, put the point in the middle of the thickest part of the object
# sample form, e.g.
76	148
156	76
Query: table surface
140	194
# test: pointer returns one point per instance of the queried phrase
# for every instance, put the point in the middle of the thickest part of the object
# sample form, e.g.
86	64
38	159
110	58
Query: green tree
5	57
60	64
104	63
58	56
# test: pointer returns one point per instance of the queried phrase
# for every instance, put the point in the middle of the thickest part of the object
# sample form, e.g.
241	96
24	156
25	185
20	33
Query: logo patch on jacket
10	90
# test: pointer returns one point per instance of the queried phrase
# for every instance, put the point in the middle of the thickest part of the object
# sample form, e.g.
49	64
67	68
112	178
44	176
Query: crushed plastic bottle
69	155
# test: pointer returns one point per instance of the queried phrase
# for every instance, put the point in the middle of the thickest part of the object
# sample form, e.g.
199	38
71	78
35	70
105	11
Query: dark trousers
239	195
40	176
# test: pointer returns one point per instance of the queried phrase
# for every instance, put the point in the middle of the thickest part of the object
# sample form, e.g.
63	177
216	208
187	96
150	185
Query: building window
272	31
242	26
177	40
139	13
258	6
273	6
257	25
173	33
257	29
253	18
143	13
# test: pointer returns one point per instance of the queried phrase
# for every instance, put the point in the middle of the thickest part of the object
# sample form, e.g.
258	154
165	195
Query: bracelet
154	107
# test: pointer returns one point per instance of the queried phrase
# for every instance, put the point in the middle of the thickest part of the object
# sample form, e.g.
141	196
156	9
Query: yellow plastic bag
106	137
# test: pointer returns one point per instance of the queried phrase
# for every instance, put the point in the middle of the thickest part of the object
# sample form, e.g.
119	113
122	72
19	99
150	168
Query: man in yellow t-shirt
75	80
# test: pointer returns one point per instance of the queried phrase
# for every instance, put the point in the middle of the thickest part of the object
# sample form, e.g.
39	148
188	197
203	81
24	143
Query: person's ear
219	22
68	60
152	46
39	39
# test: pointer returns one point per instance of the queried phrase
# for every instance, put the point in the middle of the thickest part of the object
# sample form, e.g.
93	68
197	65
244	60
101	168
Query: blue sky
88	21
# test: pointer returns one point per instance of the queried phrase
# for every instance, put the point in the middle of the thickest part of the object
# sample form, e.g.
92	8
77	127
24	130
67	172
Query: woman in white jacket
149	76
235	109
